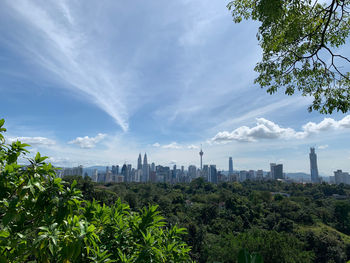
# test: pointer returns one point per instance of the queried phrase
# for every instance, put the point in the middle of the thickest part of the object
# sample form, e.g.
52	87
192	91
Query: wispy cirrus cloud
265	129
64	45
88	142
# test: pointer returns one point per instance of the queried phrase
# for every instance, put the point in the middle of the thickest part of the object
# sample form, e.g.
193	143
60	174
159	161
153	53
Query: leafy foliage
300	39
44	219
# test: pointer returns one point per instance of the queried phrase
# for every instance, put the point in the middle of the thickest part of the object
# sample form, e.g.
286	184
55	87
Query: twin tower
144	168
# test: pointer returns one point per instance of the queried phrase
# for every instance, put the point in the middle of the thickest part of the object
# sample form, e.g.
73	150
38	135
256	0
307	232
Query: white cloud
33	140
265	129
88	142
322	147
327	124
192	146
173	145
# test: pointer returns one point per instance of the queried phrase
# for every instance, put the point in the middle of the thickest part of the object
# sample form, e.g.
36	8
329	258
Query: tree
300	40
43	219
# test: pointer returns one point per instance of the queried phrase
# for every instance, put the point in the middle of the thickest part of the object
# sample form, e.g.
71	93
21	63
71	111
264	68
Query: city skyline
275	171
83	88
145	172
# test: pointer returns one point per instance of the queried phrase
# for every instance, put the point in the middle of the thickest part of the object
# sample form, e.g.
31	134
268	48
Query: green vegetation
300	40
311	225
44	219
47	219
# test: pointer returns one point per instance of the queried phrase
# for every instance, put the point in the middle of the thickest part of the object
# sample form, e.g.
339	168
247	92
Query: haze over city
98	85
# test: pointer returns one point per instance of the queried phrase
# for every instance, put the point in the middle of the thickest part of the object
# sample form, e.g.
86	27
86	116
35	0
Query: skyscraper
276	171
145	169
201	156
125	173
272	170
139	162
230	166
213	176
313	166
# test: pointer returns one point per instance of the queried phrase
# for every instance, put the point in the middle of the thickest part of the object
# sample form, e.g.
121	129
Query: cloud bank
88	142
265	129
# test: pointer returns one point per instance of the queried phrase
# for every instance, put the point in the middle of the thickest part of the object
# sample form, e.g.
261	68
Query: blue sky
97	82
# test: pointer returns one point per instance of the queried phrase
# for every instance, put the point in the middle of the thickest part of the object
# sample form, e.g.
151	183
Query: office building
313	166
145	169
276	171
213	175
230	166
192	172
341	177
259	174
139	163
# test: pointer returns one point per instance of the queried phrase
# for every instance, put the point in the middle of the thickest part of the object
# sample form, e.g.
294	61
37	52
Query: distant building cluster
70	171
145	172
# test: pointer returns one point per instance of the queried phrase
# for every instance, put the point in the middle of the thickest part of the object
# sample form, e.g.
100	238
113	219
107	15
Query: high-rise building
162	173
213	176
145	169
230	166
73	171
259	174
277	171
139	162
192	172
251	175
95	176
174	174
115	169
313	166
272	175
125	173
242	175
205	172
341	177
201	157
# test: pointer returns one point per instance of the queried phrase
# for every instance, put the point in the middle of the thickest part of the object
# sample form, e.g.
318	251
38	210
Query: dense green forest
282	222
46	219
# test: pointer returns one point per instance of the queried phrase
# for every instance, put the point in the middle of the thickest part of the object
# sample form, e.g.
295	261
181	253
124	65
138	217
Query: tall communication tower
201	155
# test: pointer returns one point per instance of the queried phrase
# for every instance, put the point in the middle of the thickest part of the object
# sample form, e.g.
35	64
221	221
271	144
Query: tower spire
201	157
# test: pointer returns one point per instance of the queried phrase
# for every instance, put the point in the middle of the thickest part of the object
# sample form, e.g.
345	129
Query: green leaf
244	256
4	234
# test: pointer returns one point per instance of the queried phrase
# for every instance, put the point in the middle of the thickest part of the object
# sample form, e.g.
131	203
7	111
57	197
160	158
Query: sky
98	82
